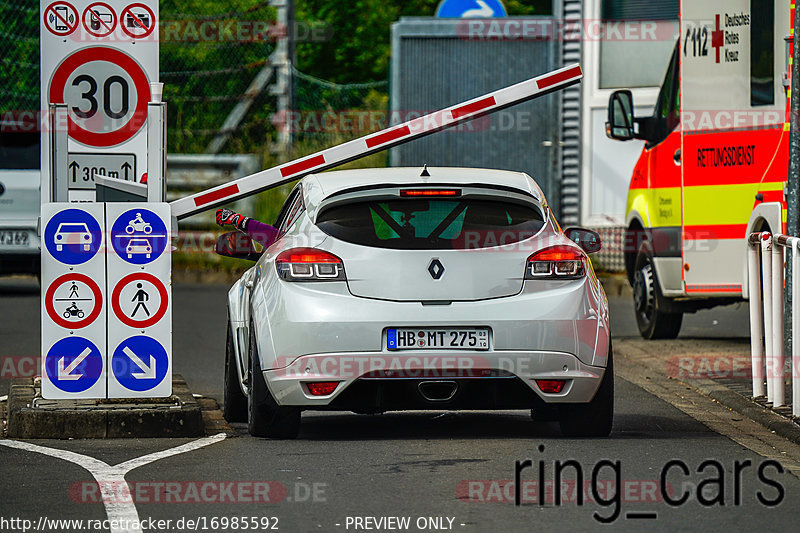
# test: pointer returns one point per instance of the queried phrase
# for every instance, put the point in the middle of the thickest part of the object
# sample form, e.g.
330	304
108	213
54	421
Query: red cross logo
717	38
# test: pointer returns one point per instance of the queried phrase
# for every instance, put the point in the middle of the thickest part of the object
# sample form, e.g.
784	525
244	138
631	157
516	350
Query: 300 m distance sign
106	92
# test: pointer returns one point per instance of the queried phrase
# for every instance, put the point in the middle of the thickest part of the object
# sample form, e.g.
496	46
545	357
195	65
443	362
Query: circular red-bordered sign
60	281
102	53
138	29
155	317
57	18
96	19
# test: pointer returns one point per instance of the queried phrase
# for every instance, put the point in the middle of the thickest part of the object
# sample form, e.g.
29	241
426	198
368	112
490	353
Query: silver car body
337	331
19	214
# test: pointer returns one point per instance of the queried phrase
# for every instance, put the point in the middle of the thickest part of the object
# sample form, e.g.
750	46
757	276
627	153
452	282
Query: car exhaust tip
438	391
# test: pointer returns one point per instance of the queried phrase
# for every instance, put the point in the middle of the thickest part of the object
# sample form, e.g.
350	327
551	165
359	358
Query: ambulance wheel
653	321
235	402
265	418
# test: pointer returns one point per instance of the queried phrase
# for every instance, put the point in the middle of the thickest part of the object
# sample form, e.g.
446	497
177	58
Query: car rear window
415	224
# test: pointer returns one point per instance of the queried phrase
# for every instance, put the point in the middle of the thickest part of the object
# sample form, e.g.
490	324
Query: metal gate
438	62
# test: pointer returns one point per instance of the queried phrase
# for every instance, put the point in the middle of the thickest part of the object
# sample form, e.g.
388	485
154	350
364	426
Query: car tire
593	419
235	401
652	320
265	418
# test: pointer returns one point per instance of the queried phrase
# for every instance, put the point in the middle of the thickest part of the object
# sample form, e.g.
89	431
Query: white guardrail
767	314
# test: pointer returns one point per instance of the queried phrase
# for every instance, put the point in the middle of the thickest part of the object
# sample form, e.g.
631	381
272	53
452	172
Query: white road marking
103	473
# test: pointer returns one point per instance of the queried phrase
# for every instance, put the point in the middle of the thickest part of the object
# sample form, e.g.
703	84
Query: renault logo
436	269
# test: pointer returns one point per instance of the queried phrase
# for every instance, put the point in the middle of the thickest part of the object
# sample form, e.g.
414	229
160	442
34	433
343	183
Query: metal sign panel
140	300
99	59
74	301
83	167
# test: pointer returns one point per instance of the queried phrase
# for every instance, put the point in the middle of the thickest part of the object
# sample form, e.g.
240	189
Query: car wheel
265	418
652	320
235	409
593	419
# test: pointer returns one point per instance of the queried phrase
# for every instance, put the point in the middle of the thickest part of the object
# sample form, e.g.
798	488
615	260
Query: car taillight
322	388
550	386
556	262
309	264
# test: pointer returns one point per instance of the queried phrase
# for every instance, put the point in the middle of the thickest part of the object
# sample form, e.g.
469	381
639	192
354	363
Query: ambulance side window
667	113
762	53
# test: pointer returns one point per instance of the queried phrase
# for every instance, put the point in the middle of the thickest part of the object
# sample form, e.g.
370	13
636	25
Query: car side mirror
238	245
587	239
620	116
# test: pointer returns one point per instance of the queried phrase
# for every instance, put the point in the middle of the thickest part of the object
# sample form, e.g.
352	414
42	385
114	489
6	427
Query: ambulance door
732	123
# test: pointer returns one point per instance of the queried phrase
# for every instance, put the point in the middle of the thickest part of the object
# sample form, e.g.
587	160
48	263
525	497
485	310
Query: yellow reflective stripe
657	207
722	204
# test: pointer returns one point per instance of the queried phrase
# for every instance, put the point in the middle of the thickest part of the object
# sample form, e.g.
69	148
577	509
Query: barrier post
766	279
756	318
778	373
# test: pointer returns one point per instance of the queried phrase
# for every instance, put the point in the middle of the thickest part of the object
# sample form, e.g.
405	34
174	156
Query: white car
406	289
73	233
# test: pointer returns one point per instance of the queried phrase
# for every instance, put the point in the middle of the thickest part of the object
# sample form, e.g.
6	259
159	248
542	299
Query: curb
653	360
778	424
31	417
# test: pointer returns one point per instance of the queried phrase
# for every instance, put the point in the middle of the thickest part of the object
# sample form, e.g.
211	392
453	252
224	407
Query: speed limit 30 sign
100	64
107	93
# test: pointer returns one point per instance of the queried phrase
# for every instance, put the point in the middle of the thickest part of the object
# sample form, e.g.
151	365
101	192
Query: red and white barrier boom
374	142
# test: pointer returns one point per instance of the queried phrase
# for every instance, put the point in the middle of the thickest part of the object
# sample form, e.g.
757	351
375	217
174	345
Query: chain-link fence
19	55
326	114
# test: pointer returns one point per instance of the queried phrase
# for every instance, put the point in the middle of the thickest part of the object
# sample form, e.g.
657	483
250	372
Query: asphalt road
445	471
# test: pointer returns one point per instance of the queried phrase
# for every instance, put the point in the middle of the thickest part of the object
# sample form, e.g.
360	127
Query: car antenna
425	173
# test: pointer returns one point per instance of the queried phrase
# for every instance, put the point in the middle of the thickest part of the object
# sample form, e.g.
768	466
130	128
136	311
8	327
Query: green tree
360	32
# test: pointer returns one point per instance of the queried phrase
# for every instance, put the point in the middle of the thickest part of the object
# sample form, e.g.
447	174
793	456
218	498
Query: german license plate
437	338
13	238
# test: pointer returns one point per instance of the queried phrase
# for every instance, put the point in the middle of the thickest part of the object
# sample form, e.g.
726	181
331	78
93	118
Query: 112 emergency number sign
99	59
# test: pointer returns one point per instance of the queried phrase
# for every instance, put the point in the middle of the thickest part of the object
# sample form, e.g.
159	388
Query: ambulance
715	161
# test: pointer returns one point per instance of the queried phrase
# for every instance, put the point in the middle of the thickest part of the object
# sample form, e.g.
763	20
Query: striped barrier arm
374	142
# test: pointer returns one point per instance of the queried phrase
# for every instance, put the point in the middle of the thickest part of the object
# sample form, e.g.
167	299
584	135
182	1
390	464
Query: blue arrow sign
73	364
471	9
139	236
140	363
73	236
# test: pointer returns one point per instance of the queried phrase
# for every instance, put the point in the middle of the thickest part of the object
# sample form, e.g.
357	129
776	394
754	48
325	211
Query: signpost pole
156	151
59	142
793	182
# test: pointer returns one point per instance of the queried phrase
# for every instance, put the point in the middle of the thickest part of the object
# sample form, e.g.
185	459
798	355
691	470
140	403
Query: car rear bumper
323	318
482	380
